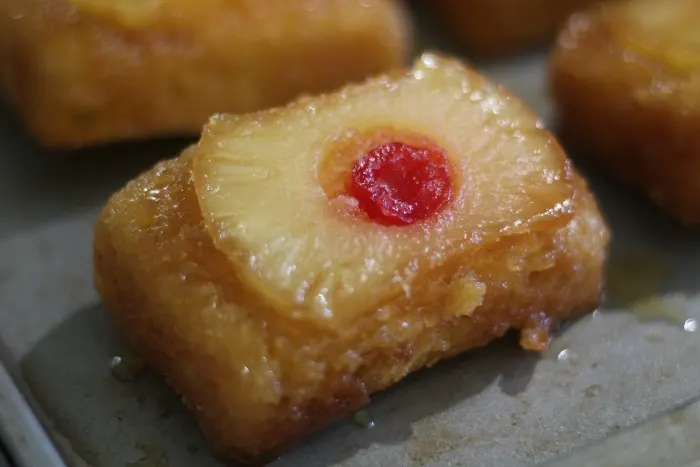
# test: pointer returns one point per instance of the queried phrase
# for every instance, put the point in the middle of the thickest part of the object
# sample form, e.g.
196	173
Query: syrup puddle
126	368
362	419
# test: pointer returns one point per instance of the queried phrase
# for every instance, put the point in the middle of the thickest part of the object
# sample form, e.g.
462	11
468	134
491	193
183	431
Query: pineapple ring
663	30
264	204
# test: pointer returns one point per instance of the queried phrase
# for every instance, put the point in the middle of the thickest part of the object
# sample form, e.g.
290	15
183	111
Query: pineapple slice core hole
400	184
387	176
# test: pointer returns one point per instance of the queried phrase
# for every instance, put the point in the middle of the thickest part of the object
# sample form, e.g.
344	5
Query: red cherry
398	184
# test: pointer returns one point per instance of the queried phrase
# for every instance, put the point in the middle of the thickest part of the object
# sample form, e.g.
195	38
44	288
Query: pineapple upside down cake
489	28
296	260
626	82
87	72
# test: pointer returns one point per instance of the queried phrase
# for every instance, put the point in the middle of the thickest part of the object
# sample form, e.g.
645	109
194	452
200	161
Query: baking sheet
3	460
668	440
497	406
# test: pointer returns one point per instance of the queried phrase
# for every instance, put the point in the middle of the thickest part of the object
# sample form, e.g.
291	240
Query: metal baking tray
498	406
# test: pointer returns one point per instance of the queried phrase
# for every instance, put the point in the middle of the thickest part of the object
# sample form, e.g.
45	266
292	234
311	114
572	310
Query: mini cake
84	72
626	81
297	260
488	28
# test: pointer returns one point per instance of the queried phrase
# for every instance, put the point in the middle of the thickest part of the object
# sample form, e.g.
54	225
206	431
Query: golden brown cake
488	28
626	81
297	260
83	72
